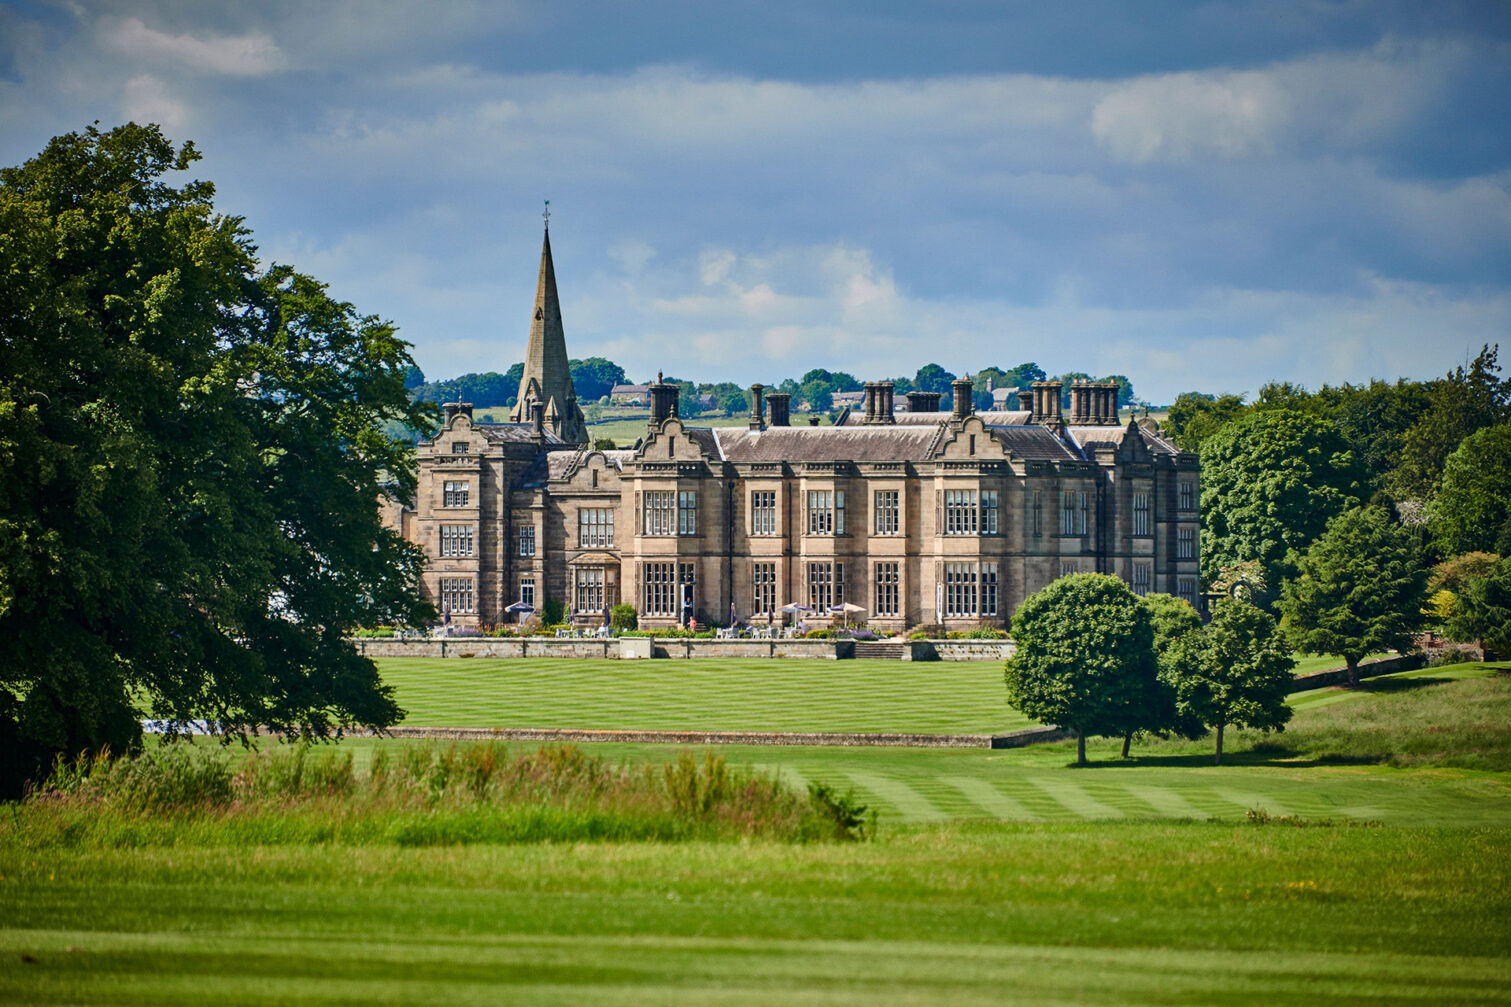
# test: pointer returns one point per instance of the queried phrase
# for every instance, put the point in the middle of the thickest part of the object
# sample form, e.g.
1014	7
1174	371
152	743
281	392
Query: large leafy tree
1361	588
1085	658
1481	609
1472	510
1195	416
1233	672
592	378
1172	620
191	456
1461	402
1270	483
933	378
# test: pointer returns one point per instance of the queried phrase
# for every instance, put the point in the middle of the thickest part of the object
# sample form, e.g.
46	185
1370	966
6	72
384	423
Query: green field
998	877
759	694
1065	914
934	697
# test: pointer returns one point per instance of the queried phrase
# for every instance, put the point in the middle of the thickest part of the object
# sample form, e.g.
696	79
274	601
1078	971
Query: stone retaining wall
1013	739
614	647
487	646
1339	676
963	650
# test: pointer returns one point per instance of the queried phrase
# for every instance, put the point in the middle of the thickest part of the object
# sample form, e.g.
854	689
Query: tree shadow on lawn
1269	754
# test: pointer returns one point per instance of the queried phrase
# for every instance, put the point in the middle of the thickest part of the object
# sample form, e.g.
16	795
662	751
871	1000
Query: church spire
546	355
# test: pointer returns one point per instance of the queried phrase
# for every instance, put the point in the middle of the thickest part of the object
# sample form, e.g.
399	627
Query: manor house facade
915	517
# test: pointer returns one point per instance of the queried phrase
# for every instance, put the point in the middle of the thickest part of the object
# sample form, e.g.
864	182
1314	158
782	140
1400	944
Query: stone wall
532	646
1012	739
541	646
963	650
1339	676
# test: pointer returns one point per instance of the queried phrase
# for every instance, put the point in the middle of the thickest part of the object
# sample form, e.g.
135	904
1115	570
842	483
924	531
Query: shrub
982	632
421	795
553	612
623	617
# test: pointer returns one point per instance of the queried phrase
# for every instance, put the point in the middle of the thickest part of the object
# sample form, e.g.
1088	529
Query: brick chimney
964	405
780	403
663	402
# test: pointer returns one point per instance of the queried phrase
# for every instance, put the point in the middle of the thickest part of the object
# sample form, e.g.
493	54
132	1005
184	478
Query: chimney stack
538	418
879	402
449	410
964	405
663	402
780	403
1046	402
1085	402
923	402
757	407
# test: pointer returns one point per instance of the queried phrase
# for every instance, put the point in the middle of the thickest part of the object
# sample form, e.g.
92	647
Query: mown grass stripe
1164	800
904	800
1247	800
990	799
1075	799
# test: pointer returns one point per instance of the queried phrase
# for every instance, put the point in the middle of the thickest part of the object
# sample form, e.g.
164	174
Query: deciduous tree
1233	672
1482	609
1085	657
1472	510
191	457
1361	588
1270	482
1194	417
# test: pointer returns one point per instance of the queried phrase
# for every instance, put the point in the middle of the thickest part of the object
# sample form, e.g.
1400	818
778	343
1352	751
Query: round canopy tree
1361	589
1233	672
1085	658
191	458
1472	510
1270	482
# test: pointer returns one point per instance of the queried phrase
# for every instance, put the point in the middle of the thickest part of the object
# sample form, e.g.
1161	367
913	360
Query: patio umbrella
796	606
521	607
845	608
731	613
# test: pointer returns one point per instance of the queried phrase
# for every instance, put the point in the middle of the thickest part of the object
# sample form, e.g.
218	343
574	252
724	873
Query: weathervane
547	215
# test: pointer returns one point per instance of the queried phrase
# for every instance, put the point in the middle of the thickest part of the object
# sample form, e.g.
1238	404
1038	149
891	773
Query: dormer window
459	447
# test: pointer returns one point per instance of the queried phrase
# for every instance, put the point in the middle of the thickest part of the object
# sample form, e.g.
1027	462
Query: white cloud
247	55
1177	116
146	99
1336	102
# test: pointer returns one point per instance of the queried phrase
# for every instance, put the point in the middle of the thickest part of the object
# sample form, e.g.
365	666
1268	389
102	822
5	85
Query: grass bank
416	795
956	914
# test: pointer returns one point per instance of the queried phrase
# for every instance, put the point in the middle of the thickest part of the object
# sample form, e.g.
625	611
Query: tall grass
184	794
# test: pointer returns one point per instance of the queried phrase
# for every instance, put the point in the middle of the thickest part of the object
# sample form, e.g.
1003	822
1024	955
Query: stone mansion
914	515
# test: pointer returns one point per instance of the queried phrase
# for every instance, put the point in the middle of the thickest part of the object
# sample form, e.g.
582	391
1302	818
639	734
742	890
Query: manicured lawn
1306	664
936	697
960	915
1457	719
1109	884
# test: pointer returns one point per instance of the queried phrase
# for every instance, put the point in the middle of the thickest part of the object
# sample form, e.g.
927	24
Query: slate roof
1034	443
513	433
990	417
877	443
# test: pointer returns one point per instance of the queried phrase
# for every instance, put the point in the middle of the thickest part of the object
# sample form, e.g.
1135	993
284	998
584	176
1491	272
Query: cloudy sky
1198	195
